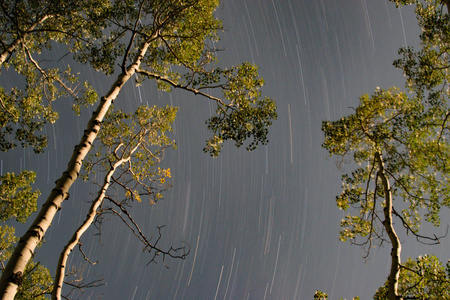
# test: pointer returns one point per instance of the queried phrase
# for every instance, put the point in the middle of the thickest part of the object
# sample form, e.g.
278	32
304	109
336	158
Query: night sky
261	224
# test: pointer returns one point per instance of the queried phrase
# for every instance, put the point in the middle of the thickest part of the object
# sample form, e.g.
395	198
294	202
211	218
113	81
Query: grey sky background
261	224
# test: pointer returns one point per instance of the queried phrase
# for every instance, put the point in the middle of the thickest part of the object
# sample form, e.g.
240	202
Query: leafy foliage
98	33
426	69
179	56
37	281
128	154
423	278
7	240
29	30
170	42
175	29
17	199
318	295
405	137
246	115
140	139
414	147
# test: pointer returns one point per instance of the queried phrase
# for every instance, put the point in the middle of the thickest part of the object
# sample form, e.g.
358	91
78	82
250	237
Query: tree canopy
127	156
413	144
18	202
395	144
422	278
29	31
169	42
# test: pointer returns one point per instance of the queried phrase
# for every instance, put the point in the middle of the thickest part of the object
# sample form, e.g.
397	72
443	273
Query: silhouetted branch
435	238
148	245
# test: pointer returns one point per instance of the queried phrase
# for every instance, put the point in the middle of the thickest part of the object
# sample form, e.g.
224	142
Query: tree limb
395	241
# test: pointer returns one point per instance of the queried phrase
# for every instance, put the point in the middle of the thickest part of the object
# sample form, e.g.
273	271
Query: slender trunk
13	272
395	241
60	268
447	3
9	49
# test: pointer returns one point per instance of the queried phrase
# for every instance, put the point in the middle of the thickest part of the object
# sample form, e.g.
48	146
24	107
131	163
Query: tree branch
177	85
59	277
395	241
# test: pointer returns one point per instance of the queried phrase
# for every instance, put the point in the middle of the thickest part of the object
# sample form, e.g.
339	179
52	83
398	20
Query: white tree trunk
395	241
60	268
447	3
13	272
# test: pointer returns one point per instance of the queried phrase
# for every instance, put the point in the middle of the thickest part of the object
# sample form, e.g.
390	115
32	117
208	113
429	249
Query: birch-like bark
388	225
13	272
447	3
61	267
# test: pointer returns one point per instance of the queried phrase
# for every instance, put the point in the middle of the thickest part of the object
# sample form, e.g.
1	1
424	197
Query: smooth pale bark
13	272
395	241
60	268
4	55
447	3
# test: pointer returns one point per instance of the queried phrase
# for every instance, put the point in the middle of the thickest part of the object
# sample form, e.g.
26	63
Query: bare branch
84	255
180	86
435	239
148	246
